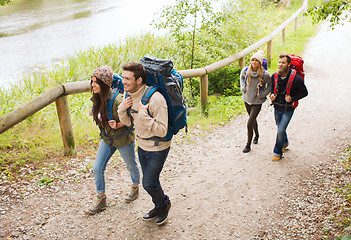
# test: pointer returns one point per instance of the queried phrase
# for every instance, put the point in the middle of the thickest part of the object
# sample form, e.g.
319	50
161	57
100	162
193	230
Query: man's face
283	66
130	83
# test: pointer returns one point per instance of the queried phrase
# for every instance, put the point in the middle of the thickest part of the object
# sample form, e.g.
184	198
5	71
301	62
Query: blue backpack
160	76
117	87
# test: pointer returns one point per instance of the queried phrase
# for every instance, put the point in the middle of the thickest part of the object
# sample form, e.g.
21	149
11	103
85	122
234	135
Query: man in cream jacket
150	120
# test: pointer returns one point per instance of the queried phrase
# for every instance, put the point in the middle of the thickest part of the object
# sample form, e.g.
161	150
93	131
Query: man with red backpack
288	88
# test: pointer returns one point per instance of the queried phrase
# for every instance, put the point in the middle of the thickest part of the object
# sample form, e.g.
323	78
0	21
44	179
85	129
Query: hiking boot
163	214
276	158
150	215
99	205
134	194
247	149
285	147
255	141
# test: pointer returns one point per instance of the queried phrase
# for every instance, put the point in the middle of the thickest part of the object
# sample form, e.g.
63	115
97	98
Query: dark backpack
161	77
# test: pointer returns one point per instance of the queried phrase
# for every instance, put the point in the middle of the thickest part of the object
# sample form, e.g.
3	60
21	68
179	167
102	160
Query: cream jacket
148	125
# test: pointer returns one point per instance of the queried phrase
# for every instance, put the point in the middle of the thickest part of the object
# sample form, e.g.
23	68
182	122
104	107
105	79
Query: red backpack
297	64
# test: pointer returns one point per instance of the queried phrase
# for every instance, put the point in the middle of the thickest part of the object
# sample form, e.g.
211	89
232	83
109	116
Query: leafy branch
335	12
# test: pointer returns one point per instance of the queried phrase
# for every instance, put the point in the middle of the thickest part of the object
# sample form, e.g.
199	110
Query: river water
38	33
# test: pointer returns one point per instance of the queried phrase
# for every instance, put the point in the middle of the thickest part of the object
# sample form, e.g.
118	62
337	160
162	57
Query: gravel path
217	192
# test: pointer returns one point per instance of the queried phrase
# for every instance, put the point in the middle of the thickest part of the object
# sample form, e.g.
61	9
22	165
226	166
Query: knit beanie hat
105	74
258	55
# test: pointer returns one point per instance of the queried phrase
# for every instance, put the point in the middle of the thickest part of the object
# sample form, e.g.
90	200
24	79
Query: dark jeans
151	166
282	120
253	111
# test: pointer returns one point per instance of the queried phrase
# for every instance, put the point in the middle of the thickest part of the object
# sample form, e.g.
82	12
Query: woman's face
255	64
95	85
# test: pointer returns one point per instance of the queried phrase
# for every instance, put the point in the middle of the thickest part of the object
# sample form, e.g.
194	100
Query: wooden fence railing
60	92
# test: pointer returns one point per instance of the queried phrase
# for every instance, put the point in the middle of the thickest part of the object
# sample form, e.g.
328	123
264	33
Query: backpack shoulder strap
148	93
110	102
290	81
275	82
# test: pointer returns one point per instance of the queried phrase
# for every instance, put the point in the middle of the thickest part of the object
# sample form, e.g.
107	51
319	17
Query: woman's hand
113	124
273	97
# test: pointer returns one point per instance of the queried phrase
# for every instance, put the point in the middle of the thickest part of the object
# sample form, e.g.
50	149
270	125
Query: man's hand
90	112
126	103
288	98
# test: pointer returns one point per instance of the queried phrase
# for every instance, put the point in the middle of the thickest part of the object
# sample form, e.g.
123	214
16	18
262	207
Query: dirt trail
217	192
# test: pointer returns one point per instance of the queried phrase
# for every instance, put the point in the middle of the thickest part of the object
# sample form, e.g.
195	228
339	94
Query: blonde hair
260	75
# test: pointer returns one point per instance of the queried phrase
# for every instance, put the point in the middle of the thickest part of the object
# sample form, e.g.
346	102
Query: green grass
37	140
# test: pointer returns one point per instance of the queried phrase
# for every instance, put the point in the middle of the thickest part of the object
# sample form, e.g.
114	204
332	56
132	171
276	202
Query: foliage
5	2
219	111
183	20
335	12
225	81
341	219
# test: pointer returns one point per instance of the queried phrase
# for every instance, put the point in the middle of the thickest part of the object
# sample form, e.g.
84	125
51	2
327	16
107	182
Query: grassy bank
36	142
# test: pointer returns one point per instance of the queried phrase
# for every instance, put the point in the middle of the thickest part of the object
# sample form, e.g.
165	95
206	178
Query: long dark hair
100	103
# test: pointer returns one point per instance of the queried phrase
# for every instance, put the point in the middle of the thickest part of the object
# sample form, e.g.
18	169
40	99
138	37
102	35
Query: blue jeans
104	154
151	165
282	120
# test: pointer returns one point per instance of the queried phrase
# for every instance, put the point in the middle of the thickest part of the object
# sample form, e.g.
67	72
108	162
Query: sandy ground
217	192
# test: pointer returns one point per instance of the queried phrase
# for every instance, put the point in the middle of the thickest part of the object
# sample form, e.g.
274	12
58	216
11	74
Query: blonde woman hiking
255	84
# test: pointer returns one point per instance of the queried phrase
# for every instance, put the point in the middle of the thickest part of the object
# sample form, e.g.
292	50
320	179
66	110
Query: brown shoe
99	205
134	194
285	147
276	158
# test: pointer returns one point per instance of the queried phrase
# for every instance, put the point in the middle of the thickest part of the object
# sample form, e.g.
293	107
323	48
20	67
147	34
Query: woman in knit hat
115	136
255	84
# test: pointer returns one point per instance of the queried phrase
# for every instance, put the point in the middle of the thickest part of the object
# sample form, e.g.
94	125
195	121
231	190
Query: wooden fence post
295	24
242	62
283	35
269	53
65	125
204	91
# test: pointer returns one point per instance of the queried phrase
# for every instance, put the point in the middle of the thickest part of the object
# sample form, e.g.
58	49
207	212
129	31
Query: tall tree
184	20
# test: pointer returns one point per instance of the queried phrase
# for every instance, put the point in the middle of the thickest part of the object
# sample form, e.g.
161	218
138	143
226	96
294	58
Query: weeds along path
217	192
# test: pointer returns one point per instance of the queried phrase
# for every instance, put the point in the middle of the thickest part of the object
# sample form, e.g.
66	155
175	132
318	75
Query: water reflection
39	32
29	15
